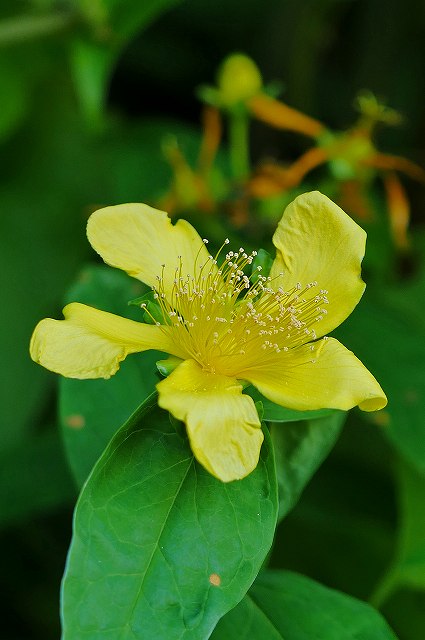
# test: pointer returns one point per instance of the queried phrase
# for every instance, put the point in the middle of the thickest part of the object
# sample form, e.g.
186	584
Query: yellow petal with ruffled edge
329	377
90	343
222	423
317	242
140	240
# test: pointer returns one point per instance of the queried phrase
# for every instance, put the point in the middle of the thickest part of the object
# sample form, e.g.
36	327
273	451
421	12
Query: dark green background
70	143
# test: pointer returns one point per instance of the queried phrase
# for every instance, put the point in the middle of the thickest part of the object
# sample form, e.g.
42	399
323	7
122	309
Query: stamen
221	319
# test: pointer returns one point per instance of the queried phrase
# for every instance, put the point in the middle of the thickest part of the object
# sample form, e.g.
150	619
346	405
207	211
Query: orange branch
398	208
279	115
396	163
272	179
212	130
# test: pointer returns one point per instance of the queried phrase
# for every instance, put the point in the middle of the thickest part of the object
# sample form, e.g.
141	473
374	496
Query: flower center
227	323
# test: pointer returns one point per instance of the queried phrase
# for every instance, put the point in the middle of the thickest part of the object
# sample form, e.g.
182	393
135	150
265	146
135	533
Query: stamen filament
227	323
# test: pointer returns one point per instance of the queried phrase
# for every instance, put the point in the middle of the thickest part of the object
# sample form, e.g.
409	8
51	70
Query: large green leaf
91	411
161	549
300	448
282	605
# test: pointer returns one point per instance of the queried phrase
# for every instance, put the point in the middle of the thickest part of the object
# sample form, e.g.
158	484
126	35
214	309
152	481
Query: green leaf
168	365
300	448
34	478
137	302
114	23
341	532
261	265
208	94
91	66
162	549
282	605
32	282
408	295
408	567
15	97
411	561
302	440
275	413
391	343
54	197
405	613
152	312
124	17
91	411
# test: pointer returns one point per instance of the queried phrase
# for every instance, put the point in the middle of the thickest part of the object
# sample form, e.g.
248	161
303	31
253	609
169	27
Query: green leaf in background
411	561
15	97
113	24
282	605
391	343
126	17
300	448
261	265
408	293
60	174
91	411
162	549
408	567
302	440
91	67
34	272
34	478
341	531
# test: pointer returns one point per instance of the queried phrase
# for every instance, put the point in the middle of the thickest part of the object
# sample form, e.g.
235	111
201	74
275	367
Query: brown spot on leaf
75	421
215	580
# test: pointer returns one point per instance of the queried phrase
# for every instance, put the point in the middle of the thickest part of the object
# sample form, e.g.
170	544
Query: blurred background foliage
99	106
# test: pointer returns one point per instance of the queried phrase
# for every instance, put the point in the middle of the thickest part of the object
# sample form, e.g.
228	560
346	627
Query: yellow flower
224	329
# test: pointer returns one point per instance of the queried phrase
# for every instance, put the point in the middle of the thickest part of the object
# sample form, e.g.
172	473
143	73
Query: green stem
384	589
239	145
23	28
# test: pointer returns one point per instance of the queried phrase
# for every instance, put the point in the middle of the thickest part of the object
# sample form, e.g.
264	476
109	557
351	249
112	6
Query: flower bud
238	79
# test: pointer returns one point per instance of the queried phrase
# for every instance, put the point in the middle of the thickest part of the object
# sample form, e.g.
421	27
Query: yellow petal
317	241
90	343
140	240
222	423
329	377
